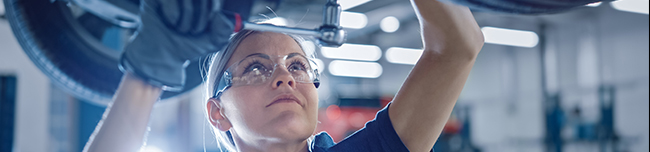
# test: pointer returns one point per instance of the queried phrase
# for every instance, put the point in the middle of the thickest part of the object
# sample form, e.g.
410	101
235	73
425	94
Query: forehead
269	43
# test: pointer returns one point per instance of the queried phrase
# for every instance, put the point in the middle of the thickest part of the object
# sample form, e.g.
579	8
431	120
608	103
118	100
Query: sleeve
377	136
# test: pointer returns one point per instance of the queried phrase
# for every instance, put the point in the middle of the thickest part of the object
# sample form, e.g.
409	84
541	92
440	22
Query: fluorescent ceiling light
353	20
353	52
347	4
389	24
355	69
510	37
595	4
279	21
634	6
400	55
2	8
151	149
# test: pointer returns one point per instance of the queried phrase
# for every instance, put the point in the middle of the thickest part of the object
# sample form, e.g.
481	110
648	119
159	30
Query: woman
263	97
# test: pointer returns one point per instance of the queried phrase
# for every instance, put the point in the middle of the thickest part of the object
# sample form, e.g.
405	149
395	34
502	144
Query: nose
283	77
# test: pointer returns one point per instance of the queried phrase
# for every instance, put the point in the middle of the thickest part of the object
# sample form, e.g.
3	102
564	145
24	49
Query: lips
285	98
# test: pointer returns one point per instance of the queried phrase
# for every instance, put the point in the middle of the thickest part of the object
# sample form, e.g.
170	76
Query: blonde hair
217	66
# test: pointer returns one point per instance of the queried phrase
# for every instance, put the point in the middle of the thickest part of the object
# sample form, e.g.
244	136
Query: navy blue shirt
378	135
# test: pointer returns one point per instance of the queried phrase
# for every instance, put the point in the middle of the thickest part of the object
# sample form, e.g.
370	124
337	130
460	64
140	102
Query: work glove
171	33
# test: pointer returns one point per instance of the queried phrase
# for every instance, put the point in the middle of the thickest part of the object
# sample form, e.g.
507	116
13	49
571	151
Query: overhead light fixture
389	24
594	4
347	4
149	148
353	20
355	69
349	51
511	37
634	6
399	55
279	21
2	9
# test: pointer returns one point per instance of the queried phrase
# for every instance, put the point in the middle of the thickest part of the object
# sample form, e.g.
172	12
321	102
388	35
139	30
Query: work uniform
378	135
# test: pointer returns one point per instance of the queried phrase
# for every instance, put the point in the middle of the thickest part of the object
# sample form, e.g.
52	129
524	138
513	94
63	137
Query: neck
269	145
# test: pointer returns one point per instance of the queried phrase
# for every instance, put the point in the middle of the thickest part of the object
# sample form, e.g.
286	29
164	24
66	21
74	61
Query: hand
448	28
171	33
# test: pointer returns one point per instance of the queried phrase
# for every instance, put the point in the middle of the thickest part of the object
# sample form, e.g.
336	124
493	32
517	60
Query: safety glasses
258	69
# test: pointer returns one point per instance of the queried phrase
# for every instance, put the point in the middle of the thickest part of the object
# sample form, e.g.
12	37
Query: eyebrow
290	55
260	55
293	54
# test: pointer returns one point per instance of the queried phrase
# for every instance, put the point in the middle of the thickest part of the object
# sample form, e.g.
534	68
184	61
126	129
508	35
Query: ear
217	119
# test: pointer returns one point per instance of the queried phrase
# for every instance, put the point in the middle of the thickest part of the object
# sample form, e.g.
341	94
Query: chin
294	128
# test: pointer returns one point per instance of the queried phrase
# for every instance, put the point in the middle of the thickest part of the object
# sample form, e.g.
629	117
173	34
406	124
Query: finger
160	10
204	17
187	15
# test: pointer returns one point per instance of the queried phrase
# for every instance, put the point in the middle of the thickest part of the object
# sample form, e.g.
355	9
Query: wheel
77	50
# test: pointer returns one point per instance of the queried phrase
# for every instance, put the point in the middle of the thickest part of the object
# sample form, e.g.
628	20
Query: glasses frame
226	81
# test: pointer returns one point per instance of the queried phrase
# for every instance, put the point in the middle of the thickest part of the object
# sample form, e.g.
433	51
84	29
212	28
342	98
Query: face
279	110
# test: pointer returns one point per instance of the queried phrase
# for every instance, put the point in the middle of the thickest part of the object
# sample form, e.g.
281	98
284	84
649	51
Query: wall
31	125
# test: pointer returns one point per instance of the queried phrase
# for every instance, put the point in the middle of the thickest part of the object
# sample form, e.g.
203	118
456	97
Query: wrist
134	90
156	69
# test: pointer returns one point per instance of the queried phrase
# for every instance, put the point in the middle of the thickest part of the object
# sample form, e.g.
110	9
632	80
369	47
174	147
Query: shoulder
322	141
377	135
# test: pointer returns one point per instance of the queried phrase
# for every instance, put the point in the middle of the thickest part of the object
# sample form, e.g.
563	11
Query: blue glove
171	33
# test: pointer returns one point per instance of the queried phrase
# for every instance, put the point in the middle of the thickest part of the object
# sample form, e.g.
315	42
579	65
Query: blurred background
576	81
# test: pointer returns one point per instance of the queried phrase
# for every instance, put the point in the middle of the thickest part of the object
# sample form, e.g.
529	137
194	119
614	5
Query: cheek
312	111
311	95
240	102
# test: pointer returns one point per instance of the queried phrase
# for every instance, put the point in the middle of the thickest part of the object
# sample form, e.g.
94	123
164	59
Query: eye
297	66
256	67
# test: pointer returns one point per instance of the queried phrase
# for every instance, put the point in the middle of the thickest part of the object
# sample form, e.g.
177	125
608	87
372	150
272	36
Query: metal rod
280	29
109	12
331	13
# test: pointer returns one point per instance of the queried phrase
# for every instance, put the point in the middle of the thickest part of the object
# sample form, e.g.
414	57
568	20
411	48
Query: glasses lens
251	70
258	69
300	68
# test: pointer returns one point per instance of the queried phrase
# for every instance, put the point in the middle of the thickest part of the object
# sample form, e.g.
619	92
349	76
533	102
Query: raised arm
124	123
155	59
452	40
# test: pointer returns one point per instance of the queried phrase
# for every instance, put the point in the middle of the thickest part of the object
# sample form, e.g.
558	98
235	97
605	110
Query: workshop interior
551	77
